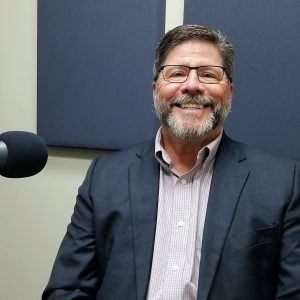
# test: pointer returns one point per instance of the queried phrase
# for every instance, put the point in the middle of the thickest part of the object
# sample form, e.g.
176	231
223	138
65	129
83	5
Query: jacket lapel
143	187
230	175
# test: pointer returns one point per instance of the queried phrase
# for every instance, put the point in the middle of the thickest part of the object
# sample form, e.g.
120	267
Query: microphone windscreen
27	154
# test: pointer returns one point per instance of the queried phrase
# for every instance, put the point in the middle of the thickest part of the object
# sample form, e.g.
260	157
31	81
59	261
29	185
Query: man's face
192	109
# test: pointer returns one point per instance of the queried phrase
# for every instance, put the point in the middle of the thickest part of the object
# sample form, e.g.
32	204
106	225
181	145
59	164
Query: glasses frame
225	71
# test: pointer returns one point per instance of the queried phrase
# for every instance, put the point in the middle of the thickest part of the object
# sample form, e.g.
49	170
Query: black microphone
22	154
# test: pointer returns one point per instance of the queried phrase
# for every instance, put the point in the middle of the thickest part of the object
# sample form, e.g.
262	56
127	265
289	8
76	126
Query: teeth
192	106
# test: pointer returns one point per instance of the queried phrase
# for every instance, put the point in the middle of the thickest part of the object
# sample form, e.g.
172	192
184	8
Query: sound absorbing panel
266	103
95	71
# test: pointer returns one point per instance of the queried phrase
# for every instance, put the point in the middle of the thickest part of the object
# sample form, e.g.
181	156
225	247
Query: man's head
190	101
185	33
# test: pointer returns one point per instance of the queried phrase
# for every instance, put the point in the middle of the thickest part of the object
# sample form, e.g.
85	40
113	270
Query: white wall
34	211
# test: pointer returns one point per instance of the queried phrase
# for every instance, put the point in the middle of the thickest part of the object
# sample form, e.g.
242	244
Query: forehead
194	53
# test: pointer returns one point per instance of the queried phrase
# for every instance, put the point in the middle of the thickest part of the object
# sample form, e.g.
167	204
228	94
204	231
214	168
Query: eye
178	73
208	75
175	72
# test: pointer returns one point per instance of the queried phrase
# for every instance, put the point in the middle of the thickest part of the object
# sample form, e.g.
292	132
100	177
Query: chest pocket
256	237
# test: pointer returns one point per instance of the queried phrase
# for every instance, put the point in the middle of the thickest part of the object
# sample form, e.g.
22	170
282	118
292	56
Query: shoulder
122	159
257	158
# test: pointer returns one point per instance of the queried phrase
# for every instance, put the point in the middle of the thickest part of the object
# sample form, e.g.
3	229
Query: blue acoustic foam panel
95	71
266	102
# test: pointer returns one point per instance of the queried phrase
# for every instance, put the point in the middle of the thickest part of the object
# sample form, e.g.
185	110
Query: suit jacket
251	241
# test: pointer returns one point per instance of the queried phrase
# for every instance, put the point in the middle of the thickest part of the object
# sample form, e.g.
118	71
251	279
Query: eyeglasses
180	73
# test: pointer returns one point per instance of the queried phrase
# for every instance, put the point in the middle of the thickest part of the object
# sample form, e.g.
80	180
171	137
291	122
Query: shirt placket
179	237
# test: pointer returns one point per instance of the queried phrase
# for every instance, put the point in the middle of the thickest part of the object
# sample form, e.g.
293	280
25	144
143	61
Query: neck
183	153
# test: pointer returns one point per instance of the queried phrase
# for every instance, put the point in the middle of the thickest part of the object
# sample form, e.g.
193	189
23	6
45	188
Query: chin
191	130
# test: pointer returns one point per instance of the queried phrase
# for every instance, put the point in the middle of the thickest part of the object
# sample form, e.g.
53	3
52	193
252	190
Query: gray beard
188	130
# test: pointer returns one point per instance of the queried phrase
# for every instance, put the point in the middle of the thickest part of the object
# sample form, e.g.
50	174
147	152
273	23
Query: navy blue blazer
251	242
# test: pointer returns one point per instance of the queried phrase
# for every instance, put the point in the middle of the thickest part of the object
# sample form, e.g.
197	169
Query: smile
192	106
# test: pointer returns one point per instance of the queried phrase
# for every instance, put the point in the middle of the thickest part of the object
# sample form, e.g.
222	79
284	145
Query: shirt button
180	224
183	181
175	268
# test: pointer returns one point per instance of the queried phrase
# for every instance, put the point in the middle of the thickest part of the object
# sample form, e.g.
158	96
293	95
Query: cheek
219	93
166	91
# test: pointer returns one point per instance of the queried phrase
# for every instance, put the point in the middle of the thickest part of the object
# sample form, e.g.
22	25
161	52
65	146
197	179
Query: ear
231	88
153	88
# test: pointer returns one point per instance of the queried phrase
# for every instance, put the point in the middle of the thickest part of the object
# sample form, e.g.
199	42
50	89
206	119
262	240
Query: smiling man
192	97
191	214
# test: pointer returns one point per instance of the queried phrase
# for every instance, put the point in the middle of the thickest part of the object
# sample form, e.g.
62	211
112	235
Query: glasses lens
210	74
175	73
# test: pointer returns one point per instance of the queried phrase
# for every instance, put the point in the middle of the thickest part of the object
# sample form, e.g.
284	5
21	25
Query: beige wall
34	211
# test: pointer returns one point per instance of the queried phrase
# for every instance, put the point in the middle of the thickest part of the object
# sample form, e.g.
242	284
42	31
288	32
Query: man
193	214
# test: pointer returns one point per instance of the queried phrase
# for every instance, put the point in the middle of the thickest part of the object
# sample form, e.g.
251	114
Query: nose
192	85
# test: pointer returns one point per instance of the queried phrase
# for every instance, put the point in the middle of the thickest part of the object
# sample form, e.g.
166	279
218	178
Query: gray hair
185	33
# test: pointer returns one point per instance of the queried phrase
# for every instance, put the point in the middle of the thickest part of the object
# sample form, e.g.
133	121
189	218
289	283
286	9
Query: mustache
196	99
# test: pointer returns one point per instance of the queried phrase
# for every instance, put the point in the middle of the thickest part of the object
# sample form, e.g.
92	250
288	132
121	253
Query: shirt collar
206	154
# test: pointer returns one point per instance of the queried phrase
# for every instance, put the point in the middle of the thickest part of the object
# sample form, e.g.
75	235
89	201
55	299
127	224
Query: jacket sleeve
74	274
289	269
